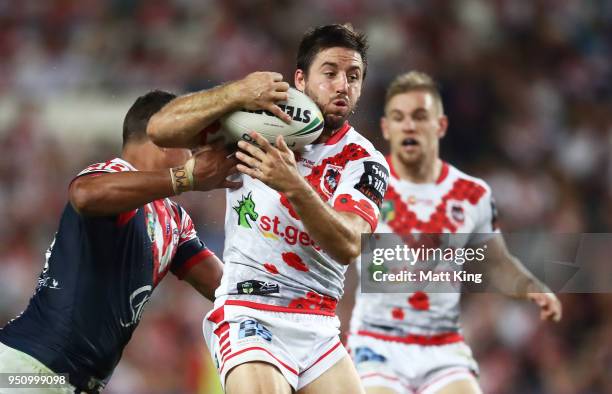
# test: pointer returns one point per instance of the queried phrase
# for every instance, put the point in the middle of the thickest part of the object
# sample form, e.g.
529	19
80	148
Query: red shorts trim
379	375
223	338
323	356
222	329
293	371
444	375
278	308
217	317
412	339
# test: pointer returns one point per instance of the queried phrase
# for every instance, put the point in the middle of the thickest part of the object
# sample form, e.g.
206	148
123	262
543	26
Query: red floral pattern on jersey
271	268
295	261
315	302
406	222
345	202
285	203
419	300
397	314
329	170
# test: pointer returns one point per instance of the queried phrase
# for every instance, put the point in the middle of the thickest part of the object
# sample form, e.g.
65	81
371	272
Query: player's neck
427	171
328	133
139	156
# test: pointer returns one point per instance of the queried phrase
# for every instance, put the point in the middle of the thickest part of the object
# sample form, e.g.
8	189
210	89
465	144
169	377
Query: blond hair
411	81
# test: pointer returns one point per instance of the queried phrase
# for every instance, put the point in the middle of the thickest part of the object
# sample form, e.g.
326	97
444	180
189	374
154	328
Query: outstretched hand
274	166
550	306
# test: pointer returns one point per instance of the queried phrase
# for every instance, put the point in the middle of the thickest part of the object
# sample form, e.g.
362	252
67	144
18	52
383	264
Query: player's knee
256	378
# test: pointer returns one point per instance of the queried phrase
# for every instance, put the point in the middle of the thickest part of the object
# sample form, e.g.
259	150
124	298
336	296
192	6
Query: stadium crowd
526	85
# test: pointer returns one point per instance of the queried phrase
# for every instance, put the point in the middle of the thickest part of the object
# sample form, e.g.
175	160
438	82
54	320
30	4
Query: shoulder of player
114	165
354	137
455	173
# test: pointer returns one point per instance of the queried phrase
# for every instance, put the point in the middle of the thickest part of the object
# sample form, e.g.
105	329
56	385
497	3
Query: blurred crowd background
526	84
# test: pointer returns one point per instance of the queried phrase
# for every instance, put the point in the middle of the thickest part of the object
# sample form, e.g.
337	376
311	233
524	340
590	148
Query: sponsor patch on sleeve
373	182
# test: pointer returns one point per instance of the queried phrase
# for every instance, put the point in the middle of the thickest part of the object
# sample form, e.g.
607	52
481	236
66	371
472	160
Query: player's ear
442	126
300	80
384	127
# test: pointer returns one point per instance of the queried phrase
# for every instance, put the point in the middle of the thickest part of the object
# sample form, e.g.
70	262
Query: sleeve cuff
192	262
345	203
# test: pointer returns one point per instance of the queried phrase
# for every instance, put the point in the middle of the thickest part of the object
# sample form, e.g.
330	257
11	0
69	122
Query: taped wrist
182	177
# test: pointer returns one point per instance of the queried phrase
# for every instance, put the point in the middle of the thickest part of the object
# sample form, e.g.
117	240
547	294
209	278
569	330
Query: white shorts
410	368
301	346
12	361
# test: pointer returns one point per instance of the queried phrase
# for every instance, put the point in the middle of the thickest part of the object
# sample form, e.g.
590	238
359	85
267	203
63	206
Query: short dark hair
329	36
137	117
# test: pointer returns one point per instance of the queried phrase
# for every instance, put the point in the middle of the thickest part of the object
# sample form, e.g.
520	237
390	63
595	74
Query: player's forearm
329	229
181	122
111	194
206	276
514	280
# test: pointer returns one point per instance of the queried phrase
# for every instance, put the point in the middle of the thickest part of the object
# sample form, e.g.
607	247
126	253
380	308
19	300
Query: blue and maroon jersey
98	275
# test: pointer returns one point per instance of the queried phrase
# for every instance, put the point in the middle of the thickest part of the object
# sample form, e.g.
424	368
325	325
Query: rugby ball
305	127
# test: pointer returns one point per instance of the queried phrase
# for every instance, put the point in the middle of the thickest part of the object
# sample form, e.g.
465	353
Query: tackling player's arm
205	277
511	277
337	233
102	194
181	122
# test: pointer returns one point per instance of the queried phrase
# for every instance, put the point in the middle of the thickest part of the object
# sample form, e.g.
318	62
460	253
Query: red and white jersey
271	261
455	203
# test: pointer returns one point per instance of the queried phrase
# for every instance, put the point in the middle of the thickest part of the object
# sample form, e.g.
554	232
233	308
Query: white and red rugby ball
305	127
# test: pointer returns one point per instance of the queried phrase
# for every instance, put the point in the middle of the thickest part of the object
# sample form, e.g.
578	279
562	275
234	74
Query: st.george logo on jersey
330	179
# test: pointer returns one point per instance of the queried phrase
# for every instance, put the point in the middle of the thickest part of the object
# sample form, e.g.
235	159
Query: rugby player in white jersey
412	343
293	227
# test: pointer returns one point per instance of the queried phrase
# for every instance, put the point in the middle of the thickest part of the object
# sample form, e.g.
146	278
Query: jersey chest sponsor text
273	228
